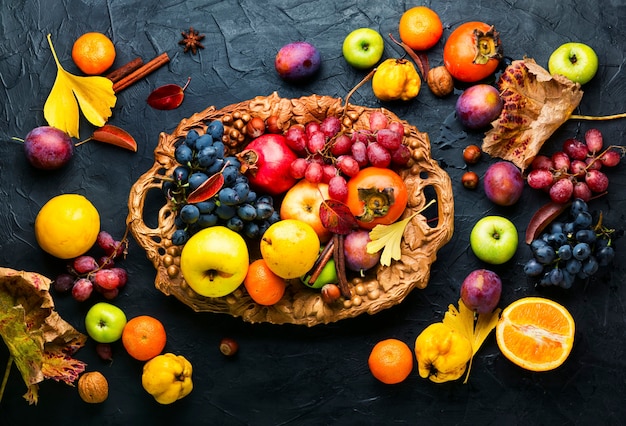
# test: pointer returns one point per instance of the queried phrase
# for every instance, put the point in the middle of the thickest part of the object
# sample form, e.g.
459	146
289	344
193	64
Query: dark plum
355	250
478	106
48	148
481	291
297	61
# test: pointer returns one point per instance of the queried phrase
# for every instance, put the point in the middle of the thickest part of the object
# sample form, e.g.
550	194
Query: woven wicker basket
381	289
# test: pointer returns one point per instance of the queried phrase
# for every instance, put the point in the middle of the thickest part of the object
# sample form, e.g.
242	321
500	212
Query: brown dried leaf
39	340
535	105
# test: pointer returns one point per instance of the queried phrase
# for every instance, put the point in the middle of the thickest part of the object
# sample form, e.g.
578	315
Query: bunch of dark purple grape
236	205
572	248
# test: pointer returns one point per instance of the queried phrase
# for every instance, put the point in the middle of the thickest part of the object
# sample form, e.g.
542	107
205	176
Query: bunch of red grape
86	273
575	171
329	155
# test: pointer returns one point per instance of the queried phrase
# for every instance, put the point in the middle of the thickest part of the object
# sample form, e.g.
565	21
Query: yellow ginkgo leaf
94	95
388	238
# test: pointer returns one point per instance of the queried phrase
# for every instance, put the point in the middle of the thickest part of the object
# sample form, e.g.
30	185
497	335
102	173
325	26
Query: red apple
503	183
302	201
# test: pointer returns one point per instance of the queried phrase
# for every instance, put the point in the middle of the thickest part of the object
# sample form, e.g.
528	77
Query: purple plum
481	291
297	61
48	148
503	183
478	106
355	250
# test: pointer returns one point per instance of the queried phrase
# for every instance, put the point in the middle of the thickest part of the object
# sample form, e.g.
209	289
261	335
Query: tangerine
391	361
67	226
144	337
420	28
535	333
93	53
263	285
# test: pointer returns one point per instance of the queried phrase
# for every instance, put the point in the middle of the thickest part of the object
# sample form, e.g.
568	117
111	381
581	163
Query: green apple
576	61
105	322
363	48
215	261
327	276
494	239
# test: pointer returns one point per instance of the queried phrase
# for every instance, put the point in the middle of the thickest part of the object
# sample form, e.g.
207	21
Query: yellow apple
302	202
214	261
290	248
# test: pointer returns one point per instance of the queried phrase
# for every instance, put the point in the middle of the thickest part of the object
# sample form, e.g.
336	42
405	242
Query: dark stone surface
291	374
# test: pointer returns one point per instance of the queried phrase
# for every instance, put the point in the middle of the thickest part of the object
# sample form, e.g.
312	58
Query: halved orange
535	333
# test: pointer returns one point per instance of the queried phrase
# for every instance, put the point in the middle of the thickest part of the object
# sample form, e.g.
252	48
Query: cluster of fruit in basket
283	175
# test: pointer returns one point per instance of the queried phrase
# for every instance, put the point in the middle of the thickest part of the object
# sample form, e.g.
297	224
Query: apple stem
597	118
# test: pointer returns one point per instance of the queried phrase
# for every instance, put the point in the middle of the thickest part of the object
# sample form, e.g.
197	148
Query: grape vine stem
597	118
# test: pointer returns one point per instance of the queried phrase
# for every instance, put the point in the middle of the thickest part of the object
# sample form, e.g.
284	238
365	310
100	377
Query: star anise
191	40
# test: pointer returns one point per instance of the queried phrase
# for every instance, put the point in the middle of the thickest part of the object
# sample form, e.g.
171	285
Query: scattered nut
471	154
470	180
440	81
93	387
228	346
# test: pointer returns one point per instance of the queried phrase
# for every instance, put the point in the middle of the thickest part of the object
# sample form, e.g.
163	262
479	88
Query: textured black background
293	374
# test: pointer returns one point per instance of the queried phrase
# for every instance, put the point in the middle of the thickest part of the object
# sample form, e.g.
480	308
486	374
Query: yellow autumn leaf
476	327
94	95
388	238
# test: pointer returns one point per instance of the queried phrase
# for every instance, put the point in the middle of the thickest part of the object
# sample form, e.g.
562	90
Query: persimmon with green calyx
472	51
376	196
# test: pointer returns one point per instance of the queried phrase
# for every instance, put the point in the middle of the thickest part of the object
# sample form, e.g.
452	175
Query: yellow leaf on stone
475	327
94	95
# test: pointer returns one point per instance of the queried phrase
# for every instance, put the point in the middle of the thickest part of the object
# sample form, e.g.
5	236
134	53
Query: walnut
440	81
93	387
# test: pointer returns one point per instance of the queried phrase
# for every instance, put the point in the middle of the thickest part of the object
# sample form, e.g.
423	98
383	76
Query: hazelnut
272	124
93	387
255	127
440	81
330	293
228	346
470	180
471	154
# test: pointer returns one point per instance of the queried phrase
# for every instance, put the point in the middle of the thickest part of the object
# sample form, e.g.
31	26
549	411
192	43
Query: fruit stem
597	118
5	378
355	88
421	60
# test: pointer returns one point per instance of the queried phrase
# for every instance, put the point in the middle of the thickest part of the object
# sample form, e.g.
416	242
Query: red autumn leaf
167	97
115	136
337	217
542	218
209	188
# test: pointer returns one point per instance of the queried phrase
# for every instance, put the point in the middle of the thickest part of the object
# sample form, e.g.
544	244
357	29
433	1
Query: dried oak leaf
39	340
535	105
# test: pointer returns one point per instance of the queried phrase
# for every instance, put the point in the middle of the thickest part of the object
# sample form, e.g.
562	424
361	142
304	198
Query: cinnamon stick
340	263
141	72
121	72
321	262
